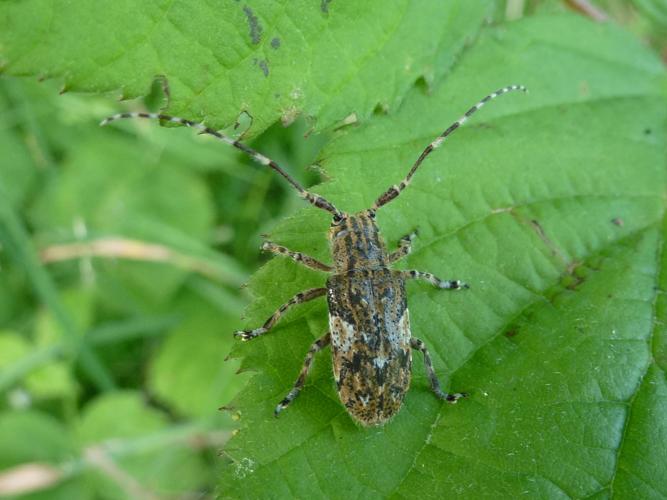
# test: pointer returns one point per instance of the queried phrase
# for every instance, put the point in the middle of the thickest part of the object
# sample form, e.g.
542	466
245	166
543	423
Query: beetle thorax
356	243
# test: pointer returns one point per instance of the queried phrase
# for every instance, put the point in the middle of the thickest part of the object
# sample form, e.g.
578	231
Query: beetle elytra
369	325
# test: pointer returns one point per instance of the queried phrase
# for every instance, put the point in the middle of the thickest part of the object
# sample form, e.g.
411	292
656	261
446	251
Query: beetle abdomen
370	342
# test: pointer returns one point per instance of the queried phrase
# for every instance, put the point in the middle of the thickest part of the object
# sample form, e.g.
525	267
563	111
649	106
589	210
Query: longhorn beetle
369	325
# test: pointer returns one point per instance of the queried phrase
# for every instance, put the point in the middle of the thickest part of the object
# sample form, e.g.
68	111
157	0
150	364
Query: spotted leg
317	346
435	383
299	298
304	259
404	247
435	281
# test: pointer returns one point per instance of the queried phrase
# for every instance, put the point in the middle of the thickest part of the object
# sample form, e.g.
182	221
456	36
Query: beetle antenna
312	198
396	189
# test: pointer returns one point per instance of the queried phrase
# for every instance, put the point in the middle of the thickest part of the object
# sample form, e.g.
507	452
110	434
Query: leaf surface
270	59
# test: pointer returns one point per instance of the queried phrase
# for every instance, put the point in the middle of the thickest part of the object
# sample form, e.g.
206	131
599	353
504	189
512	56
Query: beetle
369	324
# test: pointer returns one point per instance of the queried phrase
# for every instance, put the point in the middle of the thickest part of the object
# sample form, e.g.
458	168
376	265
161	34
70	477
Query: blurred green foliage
137	241
125	249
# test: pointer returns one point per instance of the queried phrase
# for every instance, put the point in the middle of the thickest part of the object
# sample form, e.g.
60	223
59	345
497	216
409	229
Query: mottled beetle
368	314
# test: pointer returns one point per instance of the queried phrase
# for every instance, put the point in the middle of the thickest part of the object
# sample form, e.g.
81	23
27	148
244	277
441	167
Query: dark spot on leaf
275	43
647	131
422	84
263	65
512	332
381	109
253	24
617	221
324	6
574	282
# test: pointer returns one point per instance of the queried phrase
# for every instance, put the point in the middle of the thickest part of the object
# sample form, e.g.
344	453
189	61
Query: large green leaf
551	206
270	59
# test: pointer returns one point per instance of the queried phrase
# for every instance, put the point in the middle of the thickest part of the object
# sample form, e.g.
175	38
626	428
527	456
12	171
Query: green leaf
270	59
551	206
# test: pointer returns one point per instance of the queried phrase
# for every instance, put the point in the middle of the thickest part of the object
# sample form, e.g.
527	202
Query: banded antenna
312	198
396	189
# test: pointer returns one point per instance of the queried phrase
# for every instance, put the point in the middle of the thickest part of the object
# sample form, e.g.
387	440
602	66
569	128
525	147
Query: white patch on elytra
342	334
380	361
404	326
401	335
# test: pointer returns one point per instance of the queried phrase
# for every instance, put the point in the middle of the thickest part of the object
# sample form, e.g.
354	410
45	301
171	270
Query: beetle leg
304	259
435	281
404	247
317	346
299	298
415	343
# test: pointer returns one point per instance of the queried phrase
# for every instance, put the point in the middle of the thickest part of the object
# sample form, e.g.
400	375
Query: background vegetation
124	249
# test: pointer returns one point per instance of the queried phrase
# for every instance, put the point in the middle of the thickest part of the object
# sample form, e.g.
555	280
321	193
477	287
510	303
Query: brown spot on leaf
263	65
575	282
512	332
555	251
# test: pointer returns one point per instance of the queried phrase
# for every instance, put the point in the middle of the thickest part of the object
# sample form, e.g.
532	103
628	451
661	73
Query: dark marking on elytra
369	322
253	25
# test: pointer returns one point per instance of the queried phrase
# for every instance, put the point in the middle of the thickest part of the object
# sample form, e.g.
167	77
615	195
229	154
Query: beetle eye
371	214
337	218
